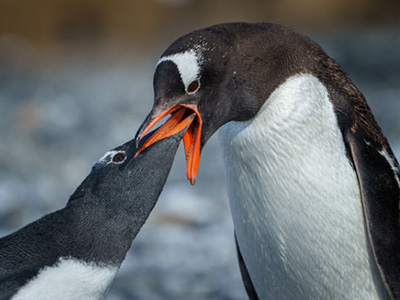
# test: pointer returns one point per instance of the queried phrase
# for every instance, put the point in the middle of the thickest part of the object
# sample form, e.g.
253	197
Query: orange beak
182	116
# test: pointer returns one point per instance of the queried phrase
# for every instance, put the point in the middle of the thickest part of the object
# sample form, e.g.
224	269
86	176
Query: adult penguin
312	182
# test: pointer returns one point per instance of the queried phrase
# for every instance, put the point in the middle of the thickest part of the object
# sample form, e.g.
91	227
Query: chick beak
182	116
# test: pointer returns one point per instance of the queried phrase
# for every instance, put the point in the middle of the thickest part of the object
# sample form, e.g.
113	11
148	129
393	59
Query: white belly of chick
69	279
295	199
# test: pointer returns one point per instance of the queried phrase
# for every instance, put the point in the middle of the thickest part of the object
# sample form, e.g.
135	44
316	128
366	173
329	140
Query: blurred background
76	80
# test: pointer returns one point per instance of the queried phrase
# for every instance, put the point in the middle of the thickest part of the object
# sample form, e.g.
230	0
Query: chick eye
193	86
119	157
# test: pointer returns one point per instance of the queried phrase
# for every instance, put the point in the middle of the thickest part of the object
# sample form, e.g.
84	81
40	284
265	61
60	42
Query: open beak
182	116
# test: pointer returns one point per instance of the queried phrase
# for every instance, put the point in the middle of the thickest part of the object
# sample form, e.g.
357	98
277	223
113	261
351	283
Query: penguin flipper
248	284
378	176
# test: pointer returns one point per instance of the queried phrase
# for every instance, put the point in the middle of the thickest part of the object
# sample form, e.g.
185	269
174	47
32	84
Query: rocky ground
56	121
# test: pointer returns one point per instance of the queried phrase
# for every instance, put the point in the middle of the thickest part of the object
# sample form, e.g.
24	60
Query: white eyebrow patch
187	64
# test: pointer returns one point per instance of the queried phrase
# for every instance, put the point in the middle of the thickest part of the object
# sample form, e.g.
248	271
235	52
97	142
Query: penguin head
120	176
219	74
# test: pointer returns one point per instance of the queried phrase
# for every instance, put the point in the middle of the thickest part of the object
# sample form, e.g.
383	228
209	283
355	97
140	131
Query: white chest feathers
295	199
70	279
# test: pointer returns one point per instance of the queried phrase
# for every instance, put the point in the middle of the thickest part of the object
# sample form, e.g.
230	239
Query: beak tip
182	118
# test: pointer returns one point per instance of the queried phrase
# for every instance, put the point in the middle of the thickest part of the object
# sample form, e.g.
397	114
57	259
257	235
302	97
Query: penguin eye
119	157
193	86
